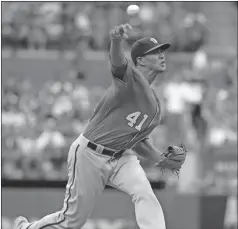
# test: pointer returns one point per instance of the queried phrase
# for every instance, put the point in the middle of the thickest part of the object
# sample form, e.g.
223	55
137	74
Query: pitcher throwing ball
101	156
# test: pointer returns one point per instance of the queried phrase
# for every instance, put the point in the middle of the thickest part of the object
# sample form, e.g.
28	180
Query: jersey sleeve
119	71
123	75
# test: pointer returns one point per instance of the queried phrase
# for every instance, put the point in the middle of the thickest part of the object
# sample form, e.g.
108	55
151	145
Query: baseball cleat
20	223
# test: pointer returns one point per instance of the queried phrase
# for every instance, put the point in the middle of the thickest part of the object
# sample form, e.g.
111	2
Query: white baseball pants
88	174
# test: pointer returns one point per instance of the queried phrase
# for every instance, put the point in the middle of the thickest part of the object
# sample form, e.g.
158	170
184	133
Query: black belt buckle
114	155
117	155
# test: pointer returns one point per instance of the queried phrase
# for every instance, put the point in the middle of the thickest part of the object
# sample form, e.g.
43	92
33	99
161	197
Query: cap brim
161	47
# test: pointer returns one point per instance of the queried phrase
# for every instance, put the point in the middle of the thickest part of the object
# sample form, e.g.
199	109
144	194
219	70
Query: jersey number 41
132	118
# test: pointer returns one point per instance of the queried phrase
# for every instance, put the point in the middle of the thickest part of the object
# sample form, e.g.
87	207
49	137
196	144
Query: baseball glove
174	158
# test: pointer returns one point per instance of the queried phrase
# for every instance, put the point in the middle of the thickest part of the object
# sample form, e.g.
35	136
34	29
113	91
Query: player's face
155	61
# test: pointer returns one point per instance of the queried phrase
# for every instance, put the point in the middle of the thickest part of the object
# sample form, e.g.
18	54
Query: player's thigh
92	171
130	177
88	174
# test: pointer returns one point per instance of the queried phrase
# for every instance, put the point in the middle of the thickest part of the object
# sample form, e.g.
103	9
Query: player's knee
74	222
143	193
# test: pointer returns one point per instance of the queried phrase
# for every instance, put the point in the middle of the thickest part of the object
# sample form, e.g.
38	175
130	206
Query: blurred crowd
38	128
61	25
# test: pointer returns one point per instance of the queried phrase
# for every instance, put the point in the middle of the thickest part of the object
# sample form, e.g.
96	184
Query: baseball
132	9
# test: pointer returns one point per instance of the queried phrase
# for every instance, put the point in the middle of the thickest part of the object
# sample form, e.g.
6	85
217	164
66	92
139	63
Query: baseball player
101	156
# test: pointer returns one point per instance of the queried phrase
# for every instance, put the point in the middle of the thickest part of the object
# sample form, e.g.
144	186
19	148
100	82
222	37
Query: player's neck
147	73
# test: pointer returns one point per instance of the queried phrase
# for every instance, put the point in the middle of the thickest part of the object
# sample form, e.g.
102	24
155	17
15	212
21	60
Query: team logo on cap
153	40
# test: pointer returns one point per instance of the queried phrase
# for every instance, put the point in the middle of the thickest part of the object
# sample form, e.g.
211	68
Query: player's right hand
120	31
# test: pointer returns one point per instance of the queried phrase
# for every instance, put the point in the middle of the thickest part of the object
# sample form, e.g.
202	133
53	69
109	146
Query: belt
107	152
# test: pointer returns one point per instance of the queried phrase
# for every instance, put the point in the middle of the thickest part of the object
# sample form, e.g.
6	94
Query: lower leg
149	213
130	178
53	221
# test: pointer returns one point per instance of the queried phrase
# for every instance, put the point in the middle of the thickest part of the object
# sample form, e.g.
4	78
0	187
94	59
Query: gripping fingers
116	31
120	31
128	26
125	29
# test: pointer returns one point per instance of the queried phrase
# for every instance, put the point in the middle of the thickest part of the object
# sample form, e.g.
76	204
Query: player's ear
140	61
